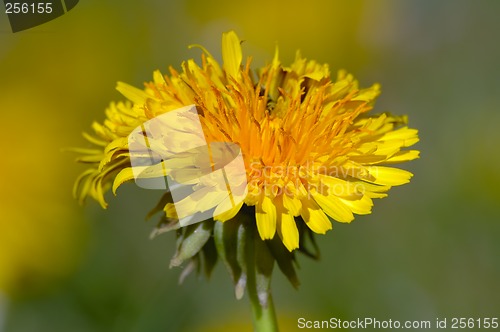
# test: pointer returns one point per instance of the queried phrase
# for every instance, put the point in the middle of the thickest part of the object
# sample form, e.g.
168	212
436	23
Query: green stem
263	313
256	268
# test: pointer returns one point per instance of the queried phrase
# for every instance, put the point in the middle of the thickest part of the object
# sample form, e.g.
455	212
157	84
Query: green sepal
244	249
192	265
285	260
190	241
209	254
263	264
165	225
226	243
246	256
307	235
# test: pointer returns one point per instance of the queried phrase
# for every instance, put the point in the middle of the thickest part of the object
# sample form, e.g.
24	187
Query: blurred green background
430	250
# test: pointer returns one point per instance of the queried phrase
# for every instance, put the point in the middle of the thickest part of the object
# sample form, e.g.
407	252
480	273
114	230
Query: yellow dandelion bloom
312	150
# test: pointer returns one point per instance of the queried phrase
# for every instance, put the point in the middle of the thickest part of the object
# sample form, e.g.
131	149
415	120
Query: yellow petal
368	94
228	213
292	204
288	230
200	200
265	214
389	176
170	211
158	78
339	187
360	206
231	53
314	217
407	135
375	195
403	156
125	175
382	147
94	140
80	182
334	207
137	96
365	187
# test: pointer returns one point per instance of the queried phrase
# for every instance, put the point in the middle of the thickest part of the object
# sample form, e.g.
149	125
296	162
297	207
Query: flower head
312	151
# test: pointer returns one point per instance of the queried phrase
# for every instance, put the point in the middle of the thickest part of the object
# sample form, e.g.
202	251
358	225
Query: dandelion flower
313	152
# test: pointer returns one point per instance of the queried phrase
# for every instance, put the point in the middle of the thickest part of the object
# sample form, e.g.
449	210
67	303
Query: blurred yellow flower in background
41	236
42	233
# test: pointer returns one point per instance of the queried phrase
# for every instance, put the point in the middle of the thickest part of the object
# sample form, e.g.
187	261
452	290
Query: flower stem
254	266
263	313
